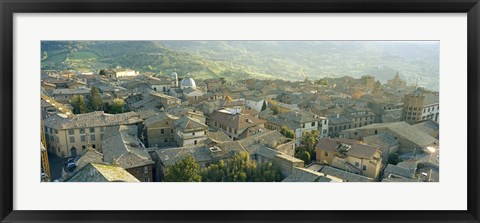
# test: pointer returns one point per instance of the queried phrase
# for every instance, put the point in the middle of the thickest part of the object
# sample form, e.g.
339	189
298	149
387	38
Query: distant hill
292	60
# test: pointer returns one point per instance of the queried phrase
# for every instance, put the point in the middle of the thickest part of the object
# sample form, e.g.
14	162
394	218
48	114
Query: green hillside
292	60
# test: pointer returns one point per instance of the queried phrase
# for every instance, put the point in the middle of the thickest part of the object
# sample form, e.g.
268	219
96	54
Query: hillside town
122	125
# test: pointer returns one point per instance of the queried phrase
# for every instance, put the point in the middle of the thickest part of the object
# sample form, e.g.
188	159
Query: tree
96	102
287	132
264	106
305	156
184	171
222	79
78	104
394	159
275	109
117	106
241	169
309	139
102	72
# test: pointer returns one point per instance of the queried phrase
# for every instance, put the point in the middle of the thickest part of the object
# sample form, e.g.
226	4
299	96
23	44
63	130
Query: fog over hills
290	60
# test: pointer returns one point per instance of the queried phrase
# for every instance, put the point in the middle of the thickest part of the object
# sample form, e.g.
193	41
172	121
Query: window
193	133
171	130
165	140
326	153
162	131
195	142
101	129
145	169
92	130
101	136
56	131
357	164
166	123
82	138
355	133
92	138
82	131
72	139
313	124
70	132
364	167
303	125
324	131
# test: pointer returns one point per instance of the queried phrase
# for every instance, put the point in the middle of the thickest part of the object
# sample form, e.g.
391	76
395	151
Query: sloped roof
303	175
93	172
121	146
344	175
219	136
92	119
399	171
236	121
403	130
160	117
186	123
90	156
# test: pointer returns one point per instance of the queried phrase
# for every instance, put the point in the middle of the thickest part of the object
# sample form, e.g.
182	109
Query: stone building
159	130
70	136
122	147
189	131
351	156
421	105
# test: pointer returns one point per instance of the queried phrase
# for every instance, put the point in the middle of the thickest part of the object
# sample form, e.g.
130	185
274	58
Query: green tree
305	156
394	159
78	104
275	109
241	169
222	79
102	72
117	106
184	171
264	106
96	102
287	132
309	139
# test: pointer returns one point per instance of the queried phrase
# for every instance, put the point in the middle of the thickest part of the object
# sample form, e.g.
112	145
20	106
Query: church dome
188	83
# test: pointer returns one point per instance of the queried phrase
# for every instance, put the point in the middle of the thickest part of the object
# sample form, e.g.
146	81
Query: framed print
262	111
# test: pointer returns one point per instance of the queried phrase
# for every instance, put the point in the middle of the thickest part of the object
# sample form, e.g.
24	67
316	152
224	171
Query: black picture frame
9	7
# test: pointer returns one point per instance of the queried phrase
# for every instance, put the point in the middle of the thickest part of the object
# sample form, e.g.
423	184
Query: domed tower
188	83
175	79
